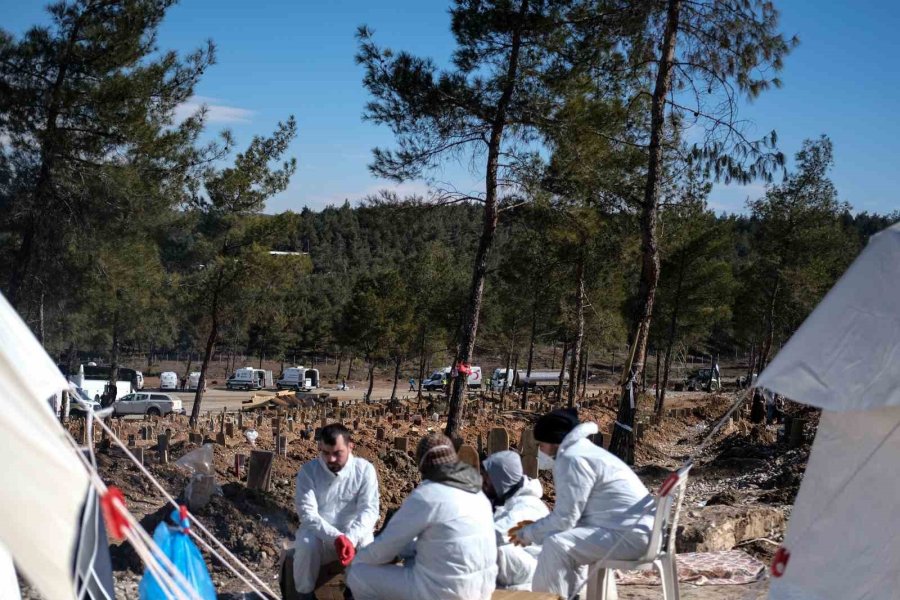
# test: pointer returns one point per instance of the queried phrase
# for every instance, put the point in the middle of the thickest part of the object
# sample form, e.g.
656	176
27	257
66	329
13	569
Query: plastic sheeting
44	485
845	355
844	532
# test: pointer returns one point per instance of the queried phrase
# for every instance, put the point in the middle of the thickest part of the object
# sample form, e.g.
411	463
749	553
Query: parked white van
194	380
473	381
297	378
168	380
249	378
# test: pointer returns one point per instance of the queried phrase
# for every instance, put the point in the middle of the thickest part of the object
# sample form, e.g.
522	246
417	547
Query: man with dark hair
443	530
337	501
599	506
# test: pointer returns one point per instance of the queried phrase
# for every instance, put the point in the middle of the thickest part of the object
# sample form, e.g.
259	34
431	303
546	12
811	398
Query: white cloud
216	112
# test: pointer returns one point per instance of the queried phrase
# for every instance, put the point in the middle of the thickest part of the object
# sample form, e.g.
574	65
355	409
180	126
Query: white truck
438	378
248	378
298	378
538	380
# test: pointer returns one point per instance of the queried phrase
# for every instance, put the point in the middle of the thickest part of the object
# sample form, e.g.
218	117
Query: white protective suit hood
580	432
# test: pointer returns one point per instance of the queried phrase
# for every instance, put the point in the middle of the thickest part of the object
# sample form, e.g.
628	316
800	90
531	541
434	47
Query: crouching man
337	501
445	525
515	498
600	505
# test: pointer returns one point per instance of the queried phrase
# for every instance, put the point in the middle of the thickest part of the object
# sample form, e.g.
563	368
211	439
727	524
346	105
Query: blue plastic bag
176	544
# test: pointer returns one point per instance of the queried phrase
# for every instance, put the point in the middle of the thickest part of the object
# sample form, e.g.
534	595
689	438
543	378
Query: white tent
844	533
44	485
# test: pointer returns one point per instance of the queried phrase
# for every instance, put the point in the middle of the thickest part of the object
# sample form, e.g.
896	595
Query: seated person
446	522
515	498
337	501
600	504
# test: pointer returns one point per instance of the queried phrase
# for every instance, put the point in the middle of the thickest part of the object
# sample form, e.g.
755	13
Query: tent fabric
844	530
45	483
9	583
845	355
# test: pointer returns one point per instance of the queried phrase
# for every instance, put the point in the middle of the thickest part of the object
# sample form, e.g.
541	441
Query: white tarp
44	485
846	355
844	533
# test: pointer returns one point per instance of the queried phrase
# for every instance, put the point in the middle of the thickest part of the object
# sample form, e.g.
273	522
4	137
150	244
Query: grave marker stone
528	447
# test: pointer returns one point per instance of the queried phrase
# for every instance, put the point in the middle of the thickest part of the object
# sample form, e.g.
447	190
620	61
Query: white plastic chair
660	553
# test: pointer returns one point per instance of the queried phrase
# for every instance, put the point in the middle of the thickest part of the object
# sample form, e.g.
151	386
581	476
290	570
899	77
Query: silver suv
147	403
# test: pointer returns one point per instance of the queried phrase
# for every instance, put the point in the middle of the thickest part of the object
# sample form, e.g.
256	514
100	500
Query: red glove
345	549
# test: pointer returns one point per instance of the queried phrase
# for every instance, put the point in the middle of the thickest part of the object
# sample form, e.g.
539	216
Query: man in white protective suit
599	506
515	498
337	501
443	530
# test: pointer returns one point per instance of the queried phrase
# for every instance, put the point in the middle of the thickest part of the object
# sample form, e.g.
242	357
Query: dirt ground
745	469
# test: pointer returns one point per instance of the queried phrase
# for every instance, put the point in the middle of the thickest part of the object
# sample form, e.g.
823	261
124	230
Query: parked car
147	403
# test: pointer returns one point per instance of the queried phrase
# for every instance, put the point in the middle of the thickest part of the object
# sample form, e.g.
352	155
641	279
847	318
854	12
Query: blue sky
282	57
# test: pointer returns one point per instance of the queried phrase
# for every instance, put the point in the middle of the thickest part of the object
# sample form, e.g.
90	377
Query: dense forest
125	231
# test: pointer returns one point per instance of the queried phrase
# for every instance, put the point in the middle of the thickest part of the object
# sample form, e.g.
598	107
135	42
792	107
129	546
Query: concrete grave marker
401	443
379	433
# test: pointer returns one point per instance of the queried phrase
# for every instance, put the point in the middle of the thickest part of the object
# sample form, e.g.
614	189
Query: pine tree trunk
622	442
584	379
349	367
469	327
510	377
562	371
371	381
337	372
530	354
396	377
421	367
201	384
575	369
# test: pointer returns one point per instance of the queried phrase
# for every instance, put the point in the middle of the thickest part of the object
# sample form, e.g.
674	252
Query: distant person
515	498
443	530
599	502
183	383
412	384
343	384
337	502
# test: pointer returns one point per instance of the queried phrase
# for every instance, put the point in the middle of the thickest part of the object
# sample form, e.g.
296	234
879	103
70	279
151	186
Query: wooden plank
469	455
498	440
259	471
529	449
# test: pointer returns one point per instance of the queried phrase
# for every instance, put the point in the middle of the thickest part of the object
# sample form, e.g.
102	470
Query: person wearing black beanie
555	425
599	510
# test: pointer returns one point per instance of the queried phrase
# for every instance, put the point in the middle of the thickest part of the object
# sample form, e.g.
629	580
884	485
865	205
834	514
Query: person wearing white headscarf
445	524
515	498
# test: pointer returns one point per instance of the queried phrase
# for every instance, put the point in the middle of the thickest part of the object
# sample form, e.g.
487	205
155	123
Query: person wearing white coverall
515	498
599	503
337	502
446	524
